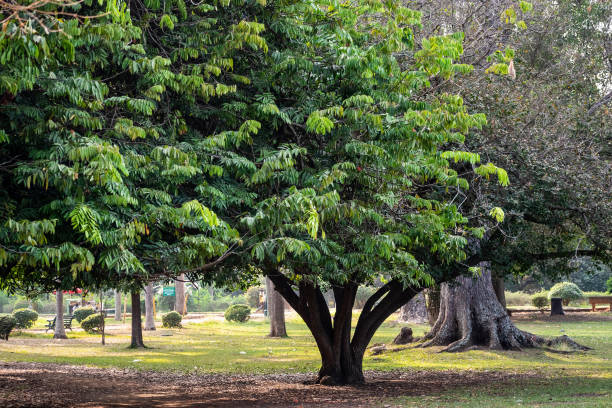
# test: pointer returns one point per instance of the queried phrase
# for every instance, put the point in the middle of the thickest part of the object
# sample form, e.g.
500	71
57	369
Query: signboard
168	291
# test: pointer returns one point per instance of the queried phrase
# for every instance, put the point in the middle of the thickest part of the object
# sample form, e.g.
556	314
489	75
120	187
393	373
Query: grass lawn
214	346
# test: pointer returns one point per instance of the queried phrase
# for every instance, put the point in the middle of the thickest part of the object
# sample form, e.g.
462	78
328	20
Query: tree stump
556	307
404	336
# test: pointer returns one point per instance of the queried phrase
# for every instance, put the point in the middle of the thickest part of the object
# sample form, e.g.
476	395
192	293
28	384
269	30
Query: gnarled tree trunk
276	311
117	305
471	316
179	293
59	332
137	341
432	302
149	317
341	355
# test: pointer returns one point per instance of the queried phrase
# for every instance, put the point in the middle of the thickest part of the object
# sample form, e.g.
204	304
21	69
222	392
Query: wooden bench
594	300
67	323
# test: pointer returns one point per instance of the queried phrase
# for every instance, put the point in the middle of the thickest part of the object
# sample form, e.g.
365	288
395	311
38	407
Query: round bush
82	313
92	323
25	318
7	323
567	291
172	319
609	284
238	313
540	300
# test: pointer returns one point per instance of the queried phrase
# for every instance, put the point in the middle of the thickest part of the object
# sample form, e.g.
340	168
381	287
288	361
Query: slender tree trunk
137	341
117	305
59	331
102	315
276	311
149	317
471	316
179	292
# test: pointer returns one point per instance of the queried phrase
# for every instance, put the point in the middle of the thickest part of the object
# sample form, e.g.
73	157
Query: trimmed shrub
540	300
172	319
609	284
92	323
7	323
567	291
238	313
82	313
25	318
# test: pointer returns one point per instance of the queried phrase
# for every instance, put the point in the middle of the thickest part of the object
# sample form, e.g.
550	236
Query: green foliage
93	323
540	300
21	304
517	298
609	284
252	296
172	319
363	294
7	323
238	313
83	313
567	291
25	318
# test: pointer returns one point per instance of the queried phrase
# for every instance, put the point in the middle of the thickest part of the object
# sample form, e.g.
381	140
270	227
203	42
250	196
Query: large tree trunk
414	311
432	302
149	317
179	293
341	356
500	289
137	341
117	305
471	316
59	332
276	311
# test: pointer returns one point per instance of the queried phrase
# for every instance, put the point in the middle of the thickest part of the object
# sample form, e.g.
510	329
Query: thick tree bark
149	317
276	311
179	293
117	305
414	311
341	355
471	316
59	331
432	301
137	341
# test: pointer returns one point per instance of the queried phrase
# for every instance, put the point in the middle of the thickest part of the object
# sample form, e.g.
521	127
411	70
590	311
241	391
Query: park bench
594	300
67	323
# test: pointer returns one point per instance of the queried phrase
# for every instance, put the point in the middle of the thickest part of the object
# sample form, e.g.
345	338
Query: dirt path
54	385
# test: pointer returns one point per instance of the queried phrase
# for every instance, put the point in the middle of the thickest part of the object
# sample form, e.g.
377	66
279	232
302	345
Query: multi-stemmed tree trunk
137	341
276	311
341	355
179	293
117	305
471	316
59	332
149	317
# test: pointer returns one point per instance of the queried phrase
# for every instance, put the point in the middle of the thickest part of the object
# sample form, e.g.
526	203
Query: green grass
584	379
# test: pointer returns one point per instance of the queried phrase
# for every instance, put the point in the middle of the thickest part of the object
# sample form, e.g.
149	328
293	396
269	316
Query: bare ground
54	385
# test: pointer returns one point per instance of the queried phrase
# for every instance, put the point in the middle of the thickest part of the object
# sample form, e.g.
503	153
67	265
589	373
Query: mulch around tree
55	385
